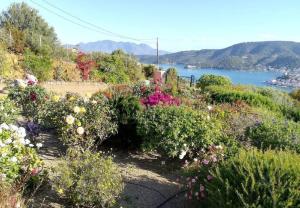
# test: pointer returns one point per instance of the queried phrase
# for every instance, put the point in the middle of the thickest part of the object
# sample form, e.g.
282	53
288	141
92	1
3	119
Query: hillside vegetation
252	55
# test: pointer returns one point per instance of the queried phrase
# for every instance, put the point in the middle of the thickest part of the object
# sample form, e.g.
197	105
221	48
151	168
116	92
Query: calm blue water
256	78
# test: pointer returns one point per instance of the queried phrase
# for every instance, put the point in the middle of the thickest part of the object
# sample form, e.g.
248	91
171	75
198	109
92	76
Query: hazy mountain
108	46
251	55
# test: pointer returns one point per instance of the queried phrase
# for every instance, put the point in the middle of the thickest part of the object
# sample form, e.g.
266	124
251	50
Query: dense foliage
27	28
177	131
126	109
207	80
275	134
88	179
116	67
255	179
31	99
8	111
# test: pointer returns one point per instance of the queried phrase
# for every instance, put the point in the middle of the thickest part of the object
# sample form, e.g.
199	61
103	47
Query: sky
179	24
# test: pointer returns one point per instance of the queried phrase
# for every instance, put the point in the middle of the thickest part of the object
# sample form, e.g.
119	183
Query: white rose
39	145
80	130
70	119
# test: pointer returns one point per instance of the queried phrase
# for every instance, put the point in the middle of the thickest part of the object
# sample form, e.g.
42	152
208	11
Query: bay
256	78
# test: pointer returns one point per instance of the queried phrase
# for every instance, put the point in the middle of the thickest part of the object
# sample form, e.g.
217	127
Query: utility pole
157	55
40	40
10	39
68	52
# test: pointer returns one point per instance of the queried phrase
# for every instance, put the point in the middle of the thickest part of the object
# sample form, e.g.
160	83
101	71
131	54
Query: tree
149	70
27	28
171	79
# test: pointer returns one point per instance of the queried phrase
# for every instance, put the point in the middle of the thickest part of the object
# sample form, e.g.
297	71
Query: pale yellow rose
70	119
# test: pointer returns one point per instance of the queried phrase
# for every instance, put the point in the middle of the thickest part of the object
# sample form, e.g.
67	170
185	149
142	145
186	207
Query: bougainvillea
84	64
160	98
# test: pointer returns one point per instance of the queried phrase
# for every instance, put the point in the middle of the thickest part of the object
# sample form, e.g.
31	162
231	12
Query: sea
249	77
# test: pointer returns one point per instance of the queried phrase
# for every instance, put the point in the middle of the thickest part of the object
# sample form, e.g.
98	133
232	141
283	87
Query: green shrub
207	80
8	111
171	80
255	179
39	65
31	100
231	94
177	130
126	108
88	179
275	134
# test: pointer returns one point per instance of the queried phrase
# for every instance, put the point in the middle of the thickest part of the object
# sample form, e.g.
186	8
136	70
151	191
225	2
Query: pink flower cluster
205	160
160	98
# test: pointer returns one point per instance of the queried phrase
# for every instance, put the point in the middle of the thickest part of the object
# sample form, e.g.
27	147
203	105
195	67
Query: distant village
289	79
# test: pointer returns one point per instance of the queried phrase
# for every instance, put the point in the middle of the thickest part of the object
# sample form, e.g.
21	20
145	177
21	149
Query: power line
93	25
99	29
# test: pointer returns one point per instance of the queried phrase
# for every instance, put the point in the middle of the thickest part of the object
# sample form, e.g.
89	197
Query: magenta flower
160	98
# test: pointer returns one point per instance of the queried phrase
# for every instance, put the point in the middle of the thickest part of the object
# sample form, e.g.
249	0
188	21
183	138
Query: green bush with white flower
177	131
80	122
8	111
18	157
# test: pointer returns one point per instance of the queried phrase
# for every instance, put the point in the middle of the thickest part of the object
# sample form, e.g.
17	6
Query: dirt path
148	180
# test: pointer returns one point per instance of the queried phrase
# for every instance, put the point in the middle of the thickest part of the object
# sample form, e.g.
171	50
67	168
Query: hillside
109	46
251	55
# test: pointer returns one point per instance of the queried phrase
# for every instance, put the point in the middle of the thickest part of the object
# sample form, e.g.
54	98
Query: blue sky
179	24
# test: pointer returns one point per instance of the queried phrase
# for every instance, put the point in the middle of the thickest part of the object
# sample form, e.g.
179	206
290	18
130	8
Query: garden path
149	181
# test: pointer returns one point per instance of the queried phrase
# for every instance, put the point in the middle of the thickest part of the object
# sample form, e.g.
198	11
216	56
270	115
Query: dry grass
61	88
81	88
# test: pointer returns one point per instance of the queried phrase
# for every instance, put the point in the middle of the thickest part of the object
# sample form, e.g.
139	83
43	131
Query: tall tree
20	20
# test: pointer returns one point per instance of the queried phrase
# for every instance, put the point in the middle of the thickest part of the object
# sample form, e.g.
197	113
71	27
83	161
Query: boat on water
189	66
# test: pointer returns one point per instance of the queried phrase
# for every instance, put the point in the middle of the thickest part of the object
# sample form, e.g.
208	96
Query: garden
224	145
137	142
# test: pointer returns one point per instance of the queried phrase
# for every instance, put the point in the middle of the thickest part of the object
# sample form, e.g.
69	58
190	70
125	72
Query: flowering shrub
88	179
197	172
18	158
255	179
8	111
177	131
160	98
31	100
80	122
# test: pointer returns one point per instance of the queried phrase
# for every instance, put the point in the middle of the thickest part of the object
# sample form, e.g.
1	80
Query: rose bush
81	122
18	157
31	99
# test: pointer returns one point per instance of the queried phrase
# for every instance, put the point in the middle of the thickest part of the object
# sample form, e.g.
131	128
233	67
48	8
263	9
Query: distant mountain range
109	46
251	55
